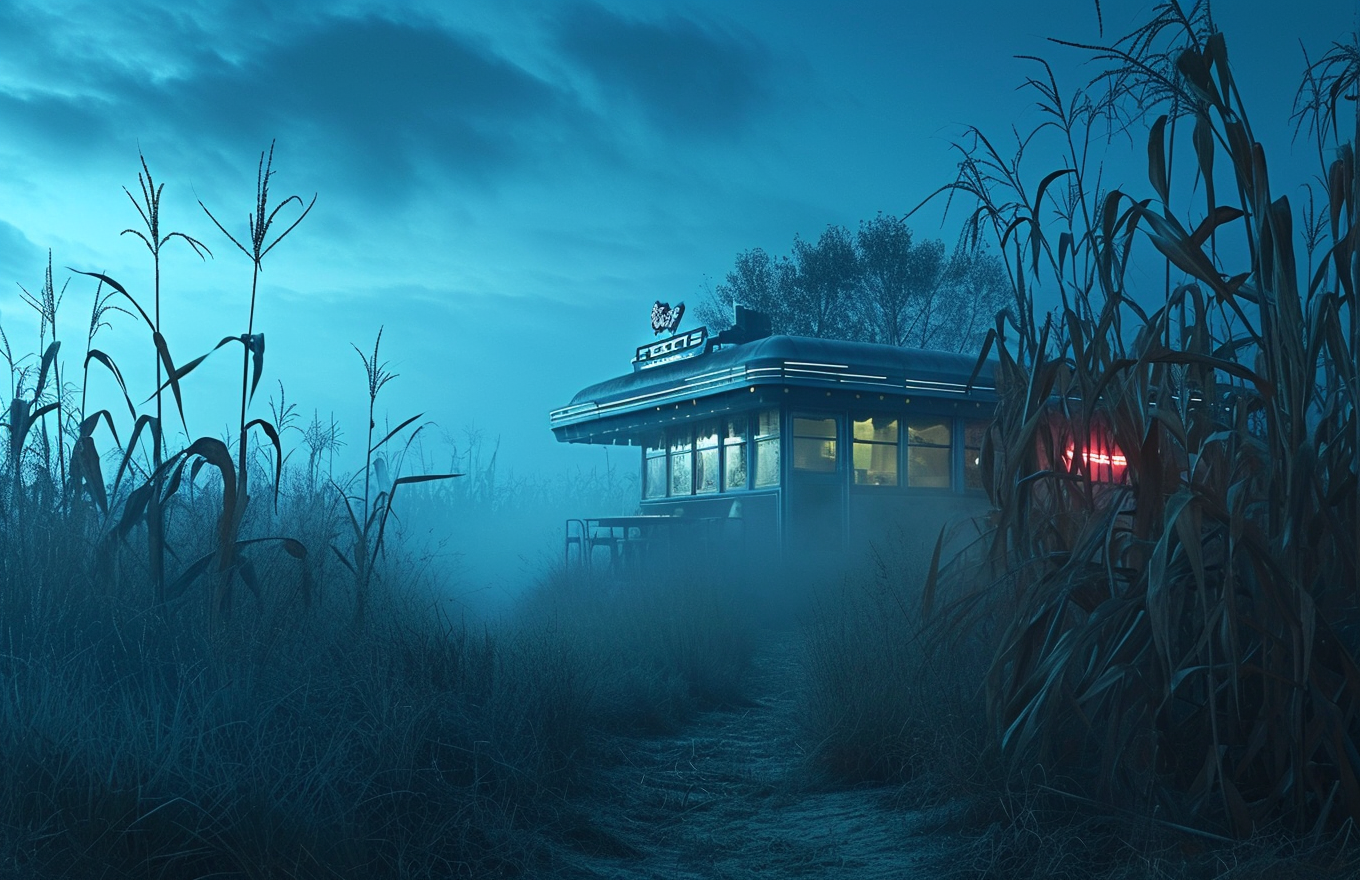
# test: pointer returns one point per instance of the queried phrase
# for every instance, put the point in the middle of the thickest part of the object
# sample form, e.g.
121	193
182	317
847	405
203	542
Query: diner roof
789	361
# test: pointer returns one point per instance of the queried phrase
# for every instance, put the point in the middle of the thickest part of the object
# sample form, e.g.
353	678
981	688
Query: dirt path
726	797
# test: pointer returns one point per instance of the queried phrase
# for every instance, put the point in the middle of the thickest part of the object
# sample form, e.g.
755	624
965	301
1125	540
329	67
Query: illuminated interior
734	454
928	453
875	451
706	458
767	448
814	444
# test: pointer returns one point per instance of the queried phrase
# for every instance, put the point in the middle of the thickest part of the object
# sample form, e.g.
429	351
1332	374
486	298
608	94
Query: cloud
20	259
54	121
376	100
379	98
379	105
687	77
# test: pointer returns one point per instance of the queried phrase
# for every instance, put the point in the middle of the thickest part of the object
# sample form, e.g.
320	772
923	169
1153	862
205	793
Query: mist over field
989	509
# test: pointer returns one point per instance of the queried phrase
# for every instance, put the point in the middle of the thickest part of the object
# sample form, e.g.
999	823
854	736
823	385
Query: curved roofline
796	361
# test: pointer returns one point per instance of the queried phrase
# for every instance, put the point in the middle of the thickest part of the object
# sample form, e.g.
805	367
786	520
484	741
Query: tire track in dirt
728	797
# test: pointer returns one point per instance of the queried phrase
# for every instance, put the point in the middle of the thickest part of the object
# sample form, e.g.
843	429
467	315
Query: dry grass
654	653
281	743
331	718
150	745
887	698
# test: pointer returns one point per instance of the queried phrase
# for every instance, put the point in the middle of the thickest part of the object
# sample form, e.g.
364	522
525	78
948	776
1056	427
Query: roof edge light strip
909	387
735	376
939	382
676	390
565	411
703	377
946	388
841	377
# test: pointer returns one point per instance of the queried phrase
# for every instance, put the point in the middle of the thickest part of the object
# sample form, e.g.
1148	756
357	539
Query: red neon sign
1104	461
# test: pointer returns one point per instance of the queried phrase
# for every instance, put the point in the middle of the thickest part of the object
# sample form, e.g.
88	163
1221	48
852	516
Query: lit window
928	453
734	454
682	466
814	445
654	468
973	432
875	451
706	458
767	448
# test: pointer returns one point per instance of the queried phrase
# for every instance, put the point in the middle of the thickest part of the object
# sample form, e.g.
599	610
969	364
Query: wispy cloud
375	100
19	258
686	76
380	98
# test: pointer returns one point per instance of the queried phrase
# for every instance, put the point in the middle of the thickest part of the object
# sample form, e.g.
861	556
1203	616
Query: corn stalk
369	513
1184	638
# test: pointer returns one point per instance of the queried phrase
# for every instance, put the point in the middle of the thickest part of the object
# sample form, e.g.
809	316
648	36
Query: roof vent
749	326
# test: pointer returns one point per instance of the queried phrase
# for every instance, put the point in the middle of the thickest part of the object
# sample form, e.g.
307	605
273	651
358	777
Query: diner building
799	448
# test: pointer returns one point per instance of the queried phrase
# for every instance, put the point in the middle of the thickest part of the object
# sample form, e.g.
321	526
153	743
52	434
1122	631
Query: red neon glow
1101	466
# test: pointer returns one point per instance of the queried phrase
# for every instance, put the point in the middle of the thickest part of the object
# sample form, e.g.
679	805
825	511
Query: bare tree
880	285
899	280
757	281
974	289
823	300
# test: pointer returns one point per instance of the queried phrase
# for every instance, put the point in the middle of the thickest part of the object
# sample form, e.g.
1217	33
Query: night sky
507	186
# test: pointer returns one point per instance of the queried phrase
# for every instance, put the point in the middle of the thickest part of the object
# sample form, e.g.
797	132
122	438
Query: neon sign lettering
672	349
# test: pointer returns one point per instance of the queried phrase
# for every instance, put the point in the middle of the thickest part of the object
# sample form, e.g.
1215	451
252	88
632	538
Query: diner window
928	445
874	451
654	468
767	448
973	432
682	464
706	458
734	454
814	445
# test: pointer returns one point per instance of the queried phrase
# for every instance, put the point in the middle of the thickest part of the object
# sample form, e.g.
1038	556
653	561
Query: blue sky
507	186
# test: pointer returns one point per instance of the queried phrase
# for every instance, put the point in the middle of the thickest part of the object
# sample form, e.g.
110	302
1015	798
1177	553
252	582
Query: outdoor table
630	540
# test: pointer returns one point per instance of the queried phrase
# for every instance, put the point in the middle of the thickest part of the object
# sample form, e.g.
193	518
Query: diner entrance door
815	530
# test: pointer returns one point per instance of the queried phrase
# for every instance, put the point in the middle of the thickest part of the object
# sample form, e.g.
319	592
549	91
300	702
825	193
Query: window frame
897	444
948	447
837	454
650	454
759	441
744	446
696	451
965	426
674	437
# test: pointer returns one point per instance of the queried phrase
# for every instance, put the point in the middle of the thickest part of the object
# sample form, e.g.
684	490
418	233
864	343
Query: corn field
1181	638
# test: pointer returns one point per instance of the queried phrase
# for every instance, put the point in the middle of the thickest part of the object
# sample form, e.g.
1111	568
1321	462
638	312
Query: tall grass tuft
654	654
888	698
